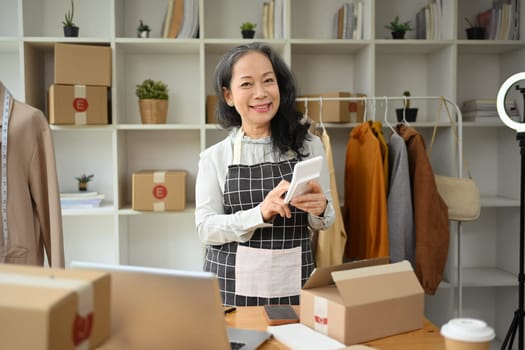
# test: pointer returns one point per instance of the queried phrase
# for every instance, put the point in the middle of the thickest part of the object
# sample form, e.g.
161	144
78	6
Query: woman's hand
273	204
313	202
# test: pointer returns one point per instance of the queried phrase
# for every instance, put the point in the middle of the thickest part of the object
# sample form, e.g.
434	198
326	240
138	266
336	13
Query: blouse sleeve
213	226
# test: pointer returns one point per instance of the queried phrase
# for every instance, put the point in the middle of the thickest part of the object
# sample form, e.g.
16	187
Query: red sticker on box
80	104
82	327
160	191
321	320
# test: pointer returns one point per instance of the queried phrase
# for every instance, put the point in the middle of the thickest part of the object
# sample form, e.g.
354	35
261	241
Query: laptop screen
155	308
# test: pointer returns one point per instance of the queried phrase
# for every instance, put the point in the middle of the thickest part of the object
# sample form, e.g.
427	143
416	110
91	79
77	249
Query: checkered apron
246	187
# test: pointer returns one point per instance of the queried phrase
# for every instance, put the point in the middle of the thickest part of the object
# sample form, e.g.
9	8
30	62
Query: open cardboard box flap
323	276
372	284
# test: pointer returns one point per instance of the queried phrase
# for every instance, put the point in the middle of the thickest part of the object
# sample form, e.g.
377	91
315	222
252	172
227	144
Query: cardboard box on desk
48	308
82	64
78	105
365	303
160	190
344	111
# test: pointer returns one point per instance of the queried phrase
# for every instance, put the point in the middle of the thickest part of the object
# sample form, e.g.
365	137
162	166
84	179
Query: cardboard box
334	111
365	303
82	64
78	105
47	308
159	190
211	105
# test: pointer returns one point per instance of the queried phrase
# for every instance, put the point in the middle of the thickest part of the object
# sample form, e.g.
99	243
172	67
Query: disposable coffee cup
467	334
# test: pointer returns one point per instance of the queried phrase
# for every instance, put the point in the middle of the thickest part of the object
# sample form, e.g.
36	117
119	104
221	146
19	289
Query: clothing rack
459	121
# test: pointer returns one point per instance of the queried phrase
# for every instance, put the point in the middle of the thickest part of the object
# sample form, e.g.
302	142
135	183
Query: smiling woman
258	244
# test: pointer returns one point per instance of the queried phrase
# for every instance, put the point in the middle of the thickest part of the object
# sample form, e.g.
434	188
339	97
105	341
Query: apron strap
237	146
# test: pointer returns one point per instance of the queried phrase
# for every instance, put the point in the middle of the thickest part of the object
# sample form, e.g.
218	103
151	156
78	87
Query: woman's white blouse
215	227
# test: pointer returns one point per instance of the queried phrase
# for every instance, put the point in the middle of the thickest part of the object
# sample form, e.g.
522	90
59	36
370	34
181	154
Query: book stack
272	19
501	21
80	200
429	21
483	110
181	19
348	21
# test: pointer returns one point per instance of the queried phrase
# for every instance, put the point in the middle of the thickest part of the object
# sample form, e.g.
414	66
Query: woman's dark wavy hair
288	133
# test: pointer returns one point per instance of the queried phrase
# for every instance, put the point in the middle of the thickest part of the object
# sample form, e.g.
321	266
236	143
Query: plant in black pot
398	29
70	29
248	30
475	32
406	113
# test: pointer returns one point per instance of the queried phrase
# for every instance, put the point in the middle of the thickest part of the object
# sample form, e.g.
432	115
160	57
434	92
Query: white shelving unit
377	66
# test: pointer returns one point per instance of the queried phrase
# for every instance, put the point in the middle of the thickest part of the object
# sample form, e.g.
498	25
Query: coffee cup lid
467	329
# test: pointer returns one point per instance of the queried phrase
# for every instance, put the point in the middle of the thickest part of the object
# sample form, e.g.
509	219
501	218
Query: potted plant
70	29
398	29
406	113
248	30
153	101
83	181
143	30
474	32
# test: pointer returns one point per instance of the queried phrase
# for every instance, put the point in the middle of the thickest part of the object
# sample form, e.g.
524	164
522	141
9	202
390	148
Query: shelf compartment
43	18
128	13
321	71
79	152
133	66
222	19
157	150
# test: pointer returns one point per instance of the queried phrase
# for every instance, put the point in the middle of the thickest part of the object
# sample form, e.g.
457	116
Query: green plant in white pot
153	101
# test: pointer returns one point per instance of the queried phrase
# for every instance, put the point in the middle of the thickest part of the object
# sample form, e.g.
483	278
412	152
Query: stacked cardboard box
79	95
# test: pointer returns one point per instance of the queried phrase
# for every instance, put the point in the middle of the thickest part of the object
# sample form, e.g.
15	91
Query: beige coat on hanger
33	201
331	242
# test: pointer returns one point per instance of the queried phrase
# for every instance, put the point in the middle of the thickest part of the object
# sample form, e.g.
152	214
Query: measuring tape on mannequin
5	126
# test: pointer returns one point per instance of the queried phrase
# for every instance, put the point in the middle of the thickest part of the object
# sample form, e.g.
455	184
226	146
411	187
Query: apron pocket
267	273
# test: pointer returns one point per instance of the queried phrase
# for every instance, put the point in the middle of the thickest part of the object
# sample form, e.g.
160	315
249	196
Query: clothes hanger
365	111
321	115
405	111
385	117
374	106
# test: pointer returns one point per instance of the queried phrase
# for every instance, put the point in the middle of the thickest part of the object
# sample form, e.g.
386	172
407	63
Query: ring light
500	102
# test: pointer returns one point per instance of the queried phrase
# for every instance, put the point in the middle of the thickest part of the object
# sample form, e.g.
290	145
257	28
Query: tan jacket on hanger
331	242
33	200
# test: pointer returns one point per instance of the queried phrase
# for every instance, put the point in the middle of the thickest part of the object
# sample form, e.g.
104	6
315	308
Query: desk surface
427	338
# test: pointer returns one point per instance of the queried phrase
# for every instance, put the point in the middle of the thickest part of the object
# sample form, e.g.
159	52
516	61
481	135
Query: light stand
517	321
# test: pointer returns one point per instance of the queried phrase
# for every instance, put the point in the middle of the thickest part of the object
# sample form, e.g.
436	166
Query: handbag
461	195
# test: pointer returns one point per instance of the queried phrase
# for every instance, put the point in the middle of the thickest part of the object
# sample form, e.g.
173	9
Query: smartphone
280	314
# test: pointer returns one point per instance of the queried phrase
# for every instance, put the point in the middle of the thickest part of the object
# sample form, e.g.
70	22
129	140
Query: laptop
155	308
